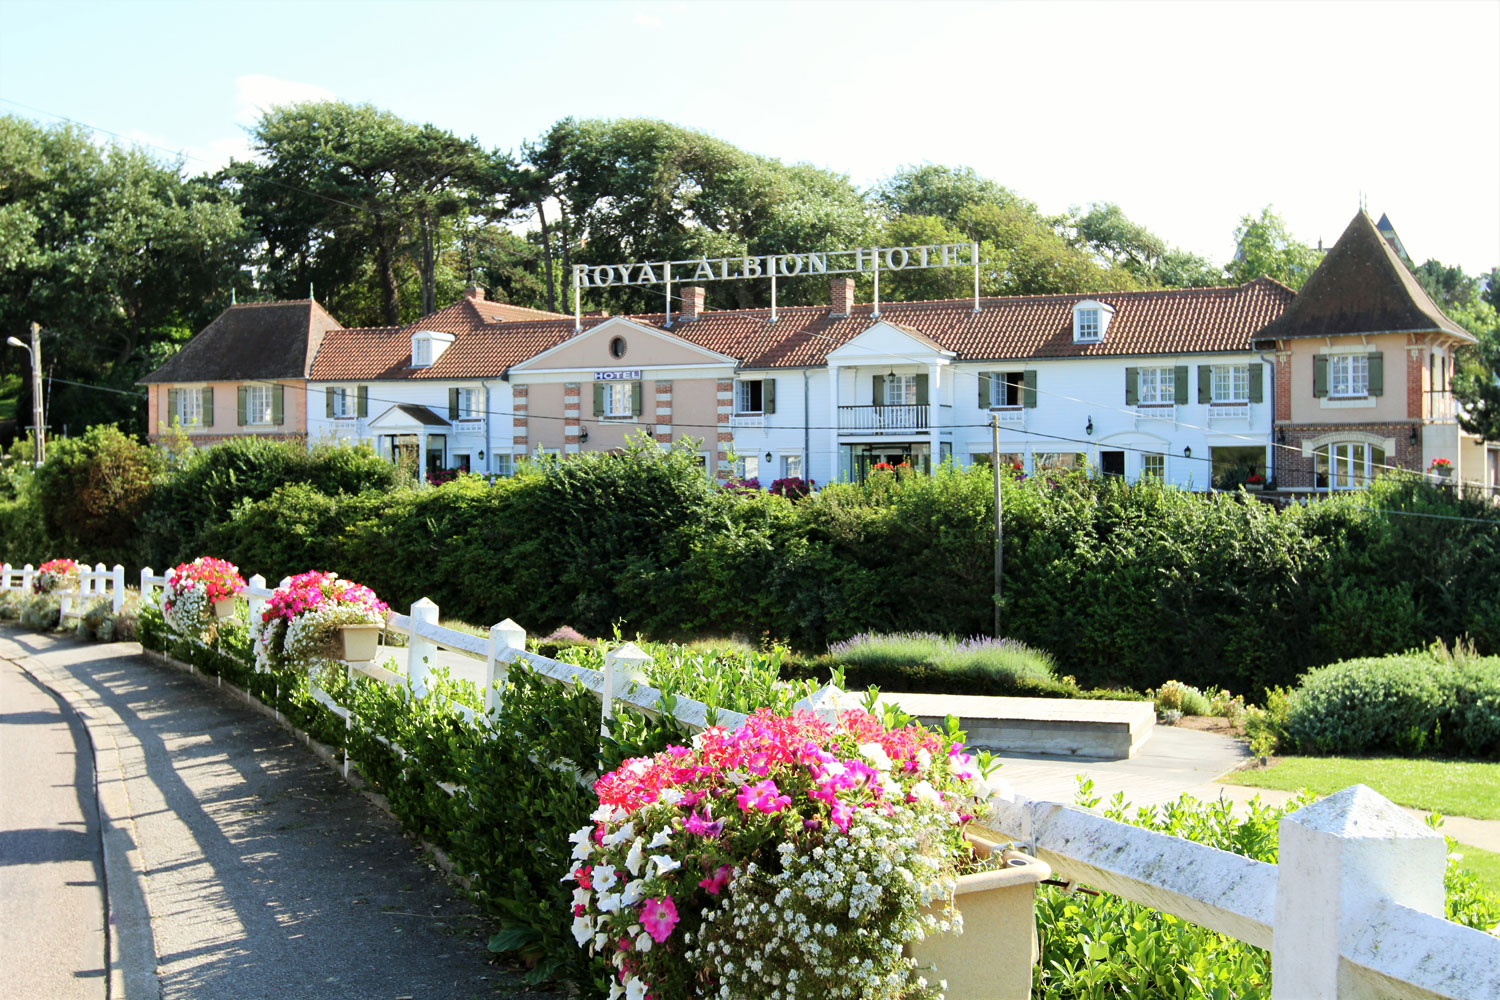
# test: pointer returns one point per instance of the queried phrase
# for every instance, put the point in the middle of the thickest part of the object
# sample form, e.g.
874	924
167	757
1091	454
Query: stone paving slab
1063	727
264	874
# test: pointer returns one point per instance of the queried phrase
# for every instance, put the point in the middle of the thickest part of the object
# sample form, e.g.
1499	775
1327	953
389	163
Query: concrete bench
1056	727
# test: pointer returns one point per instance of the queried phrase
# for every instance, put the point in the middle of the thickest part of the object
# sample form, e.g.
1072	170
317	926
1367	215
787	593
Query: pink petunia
718	880
659	916
763	796
703	826
841	816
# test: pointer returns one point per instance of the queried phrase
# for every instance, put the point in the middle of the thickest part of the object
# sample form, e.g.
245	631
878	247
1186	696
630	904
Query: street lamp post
35	350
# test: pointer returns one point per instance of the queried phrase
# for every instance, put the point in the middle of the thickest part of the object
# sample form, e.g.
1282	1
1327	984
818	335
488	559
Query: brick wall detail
662	413
724	395
520	400
572	417
1297	471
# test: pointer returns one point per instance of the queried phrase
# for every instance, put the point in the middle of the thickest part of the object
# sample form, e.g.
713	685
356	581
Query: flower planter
992	959
359	642
1442	471
224	608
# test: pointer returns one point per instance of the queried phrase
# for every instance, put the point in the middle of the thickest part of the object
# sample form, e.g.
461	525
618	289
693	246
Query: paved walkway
238	866
1174	762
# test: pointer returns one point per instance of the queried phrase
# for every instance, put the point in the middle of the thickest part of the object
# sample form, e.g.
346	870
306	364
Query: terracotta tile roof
1171	321
1361	286
252	340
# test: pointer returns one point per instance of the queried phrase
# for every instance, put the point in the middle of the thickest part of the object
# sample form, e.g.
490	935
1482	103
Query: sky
1189	115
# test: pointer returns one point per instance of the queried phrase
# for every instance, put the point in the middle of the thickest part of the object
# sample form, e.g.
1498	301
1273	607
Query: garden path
238	865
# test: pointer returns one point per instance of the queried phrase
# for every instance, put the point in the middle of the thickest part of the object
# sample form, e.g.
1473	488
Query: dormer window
427	346
1090	320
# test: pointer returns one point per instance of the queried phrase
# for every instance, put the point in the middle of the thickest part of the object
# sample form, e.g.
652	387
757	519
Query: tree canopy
1266	248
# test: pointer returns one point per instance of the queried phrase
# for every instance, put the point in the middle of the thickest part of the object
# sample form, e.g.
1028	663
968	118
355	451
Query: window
1154	466
1059	460
343	403
617	347
1006	388
748	397
189	409
1347	465
427	346
468	404
747	467
617	399
1088	324
505	465
258	404
1349	374
1157	386
791	466
421	352
1231	384
900	390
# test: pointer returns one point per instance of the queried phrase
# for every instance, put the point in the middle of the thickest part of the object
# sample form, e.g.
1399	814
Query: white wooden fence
94	582
1352	911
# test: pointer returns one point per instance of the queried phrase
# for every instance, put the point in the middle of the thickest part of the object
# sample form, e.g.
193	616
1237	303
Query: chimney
474	292
842	289
692	302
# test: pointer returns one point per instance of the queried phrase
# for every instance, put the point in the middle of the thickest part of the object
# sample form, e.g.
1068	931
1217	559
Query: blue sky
1188	115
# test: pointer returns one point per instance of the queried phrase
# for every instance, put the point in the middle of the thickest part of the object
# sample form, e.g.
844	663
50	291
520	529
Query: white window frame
743	403
504	464
747	467
1348	376
259	403
1231	384
468	404
1350	464
1154	464
1000	385
1088	329
901	390
421	352
1156	386
190	407
791	467
617	400
345	402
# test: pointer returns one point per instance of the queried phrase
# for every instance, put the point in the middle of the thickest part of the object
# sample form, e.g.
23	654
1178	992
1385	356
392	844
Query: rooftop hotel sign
865	260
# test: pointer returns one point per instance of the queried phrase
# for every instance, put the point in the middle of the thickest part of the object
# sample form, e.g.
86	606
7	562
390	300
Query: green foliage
101	623
1175	696
917	661
1266	249
93	489
40	612
1421	702
1266	727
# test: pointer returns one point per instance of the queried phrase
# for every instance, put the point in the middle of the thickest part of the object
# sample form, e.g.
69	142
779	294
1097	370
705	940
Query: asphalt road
52	944
240	868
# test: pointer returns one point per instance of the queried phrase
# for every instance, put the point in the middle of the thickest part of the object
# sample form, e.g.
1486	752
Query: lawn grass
1450	787
1483	865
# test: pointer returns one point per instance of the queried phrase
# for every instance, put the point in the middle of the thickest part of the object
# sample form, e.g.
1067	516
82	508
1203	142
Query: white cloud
256	93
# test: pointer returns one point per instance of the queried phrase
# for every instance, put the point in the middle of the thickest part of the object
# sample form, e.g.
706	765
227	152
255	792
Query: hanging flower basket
1441	467
57	576
358	643
199	595
792	851
302	624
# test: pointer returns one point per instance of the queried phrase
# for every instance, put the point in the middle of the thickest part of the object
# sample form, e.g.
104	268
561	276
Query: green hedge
1123	585
1431	701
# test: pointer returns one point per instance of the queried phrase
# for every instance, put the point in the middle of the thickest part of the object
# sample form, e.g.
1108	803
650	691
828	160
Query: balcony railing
883	419
1010	416
1439	404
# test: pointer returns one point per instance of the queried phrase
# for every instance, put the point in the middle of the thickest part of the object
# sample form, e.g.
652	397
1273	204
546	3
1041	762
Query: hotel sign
618	375
864	260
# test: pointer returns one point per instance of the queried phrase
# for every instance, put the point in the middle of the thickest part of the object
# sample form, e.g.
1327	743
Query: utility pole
999	517
36	392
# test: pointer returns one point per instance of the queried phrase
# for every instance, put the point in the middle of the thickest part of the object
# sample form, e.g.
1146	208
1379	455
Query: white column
1339	859
421	652
504	636
833	424
256	582
935	412
101	576
27	576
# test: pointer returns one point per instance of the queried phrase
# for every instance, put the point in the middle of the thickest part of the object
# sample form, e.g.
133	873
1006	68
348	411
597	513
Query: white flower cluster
189	609
833	922
311	640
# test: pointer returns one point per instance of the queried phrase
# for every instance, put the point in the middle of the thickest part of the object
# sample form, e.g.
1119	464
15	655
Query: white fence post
101	577
28	577
146	575
4	576
1338	859
256	582
117	588
421	652
621	667
505	635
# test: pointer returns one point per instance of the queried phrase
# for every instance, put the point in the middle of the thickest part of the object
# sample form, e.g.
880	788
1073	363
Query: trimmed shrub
40	612
925	662
1175	696
1408	704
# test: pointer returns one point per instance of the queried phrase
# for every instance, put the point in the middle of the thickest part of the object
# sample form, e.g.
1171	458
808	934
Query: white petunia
605	877
582	841
663	836
621	835
636	857
631	894
609	902
583	929
665	864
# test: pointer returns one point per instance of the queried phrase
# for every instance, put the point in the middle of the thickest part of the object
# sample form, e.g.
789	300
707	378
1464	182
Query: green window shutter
1377	374
879	399
598	399
1028	395
1257	388
172	420
362	401
239	414
328	401
637	398
1205	383
278	405
208	406
1320	374
1180	384
921	390
1132	386
452	404
768	396
984	389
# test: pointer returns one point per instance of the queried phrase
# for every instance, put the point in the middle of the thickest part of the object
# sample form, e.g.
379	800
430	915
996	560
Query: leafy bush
1428	701
922	661
1266	727
40	612
1181	698
93	489
10	604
